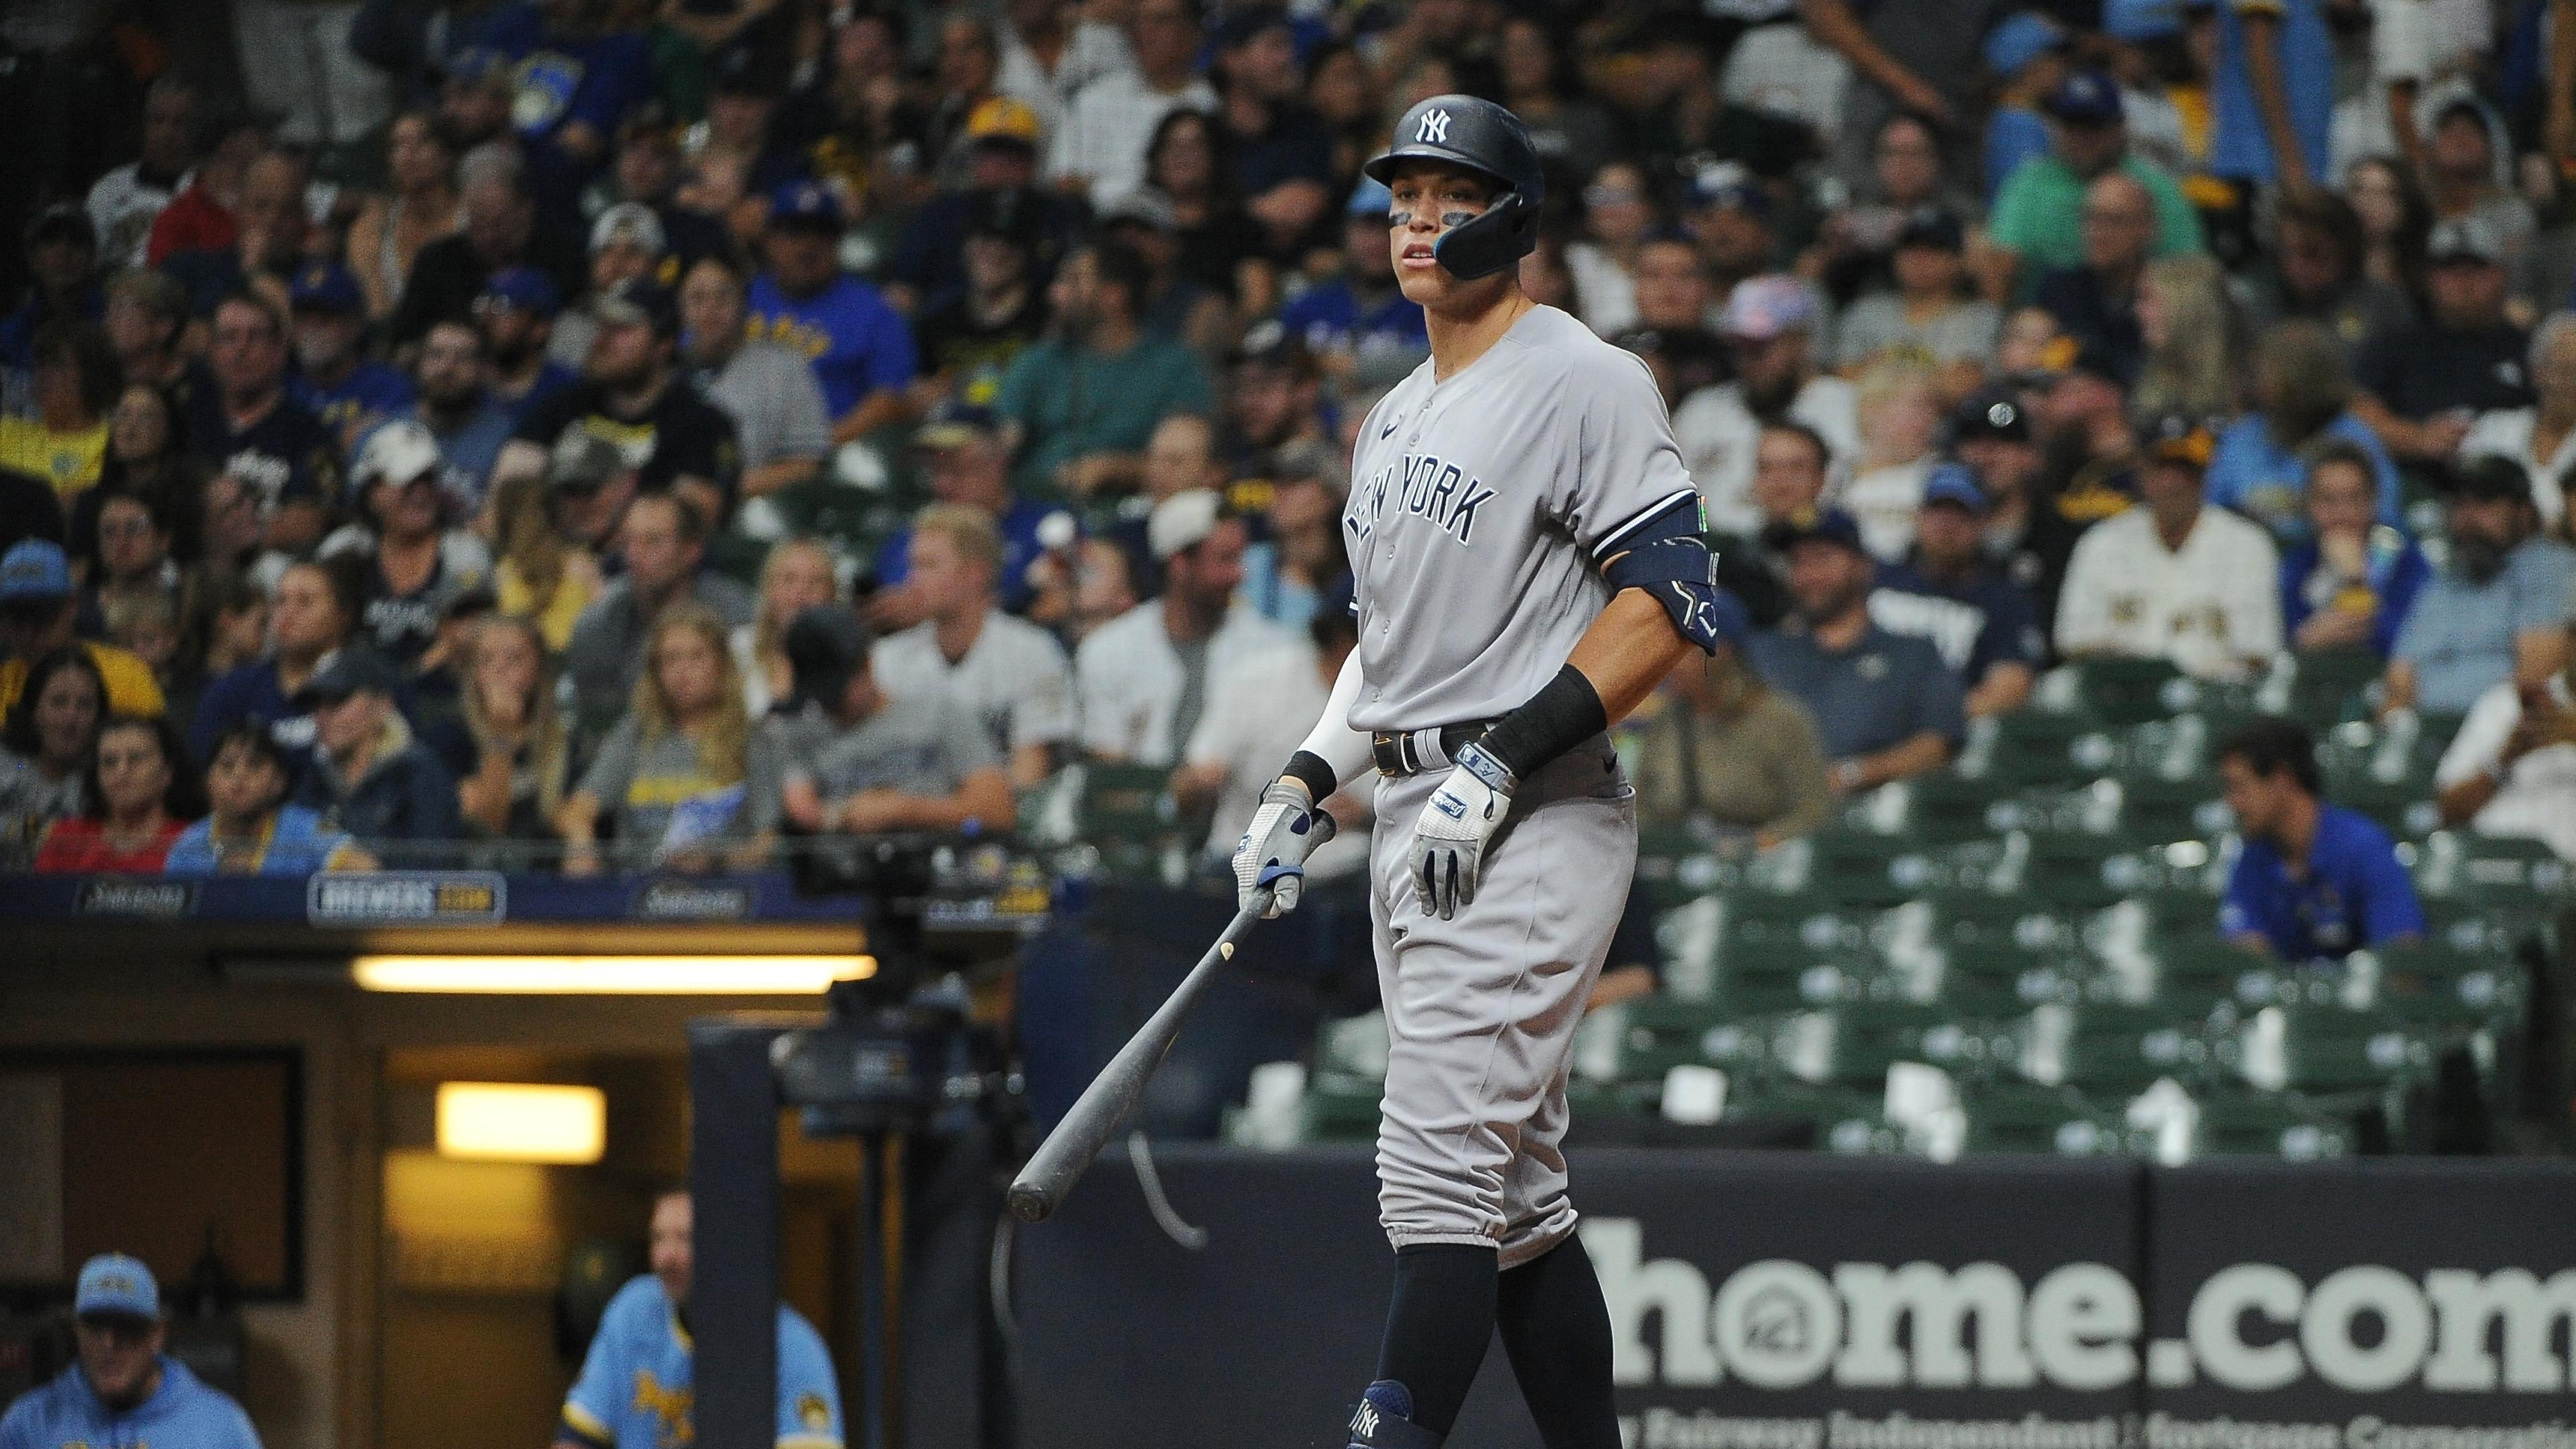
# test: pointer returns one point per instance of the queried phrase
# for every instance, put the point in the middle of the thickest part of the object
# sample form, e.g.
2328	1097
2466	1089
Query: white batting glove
1284	831
1449	841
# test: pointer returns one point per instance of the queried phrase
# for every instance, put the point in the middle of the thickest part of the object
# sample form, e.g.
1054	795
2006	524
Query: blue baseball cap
1729	185
1371	199
35	568
805	203
2135	20
1953	483
1830	526
2020	40
327	287
113	1283
2086	98
521	289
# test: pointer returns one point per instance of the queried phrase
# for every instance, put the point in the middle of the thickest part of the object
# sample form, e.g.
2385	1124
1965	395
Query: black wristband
1310	770
1560	716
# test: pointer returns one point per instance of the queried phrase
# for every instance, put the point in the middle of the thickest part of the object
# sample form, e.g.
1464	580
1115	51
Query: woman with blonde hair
797	575
541	575
684	771
514	777
1899	407
2189	327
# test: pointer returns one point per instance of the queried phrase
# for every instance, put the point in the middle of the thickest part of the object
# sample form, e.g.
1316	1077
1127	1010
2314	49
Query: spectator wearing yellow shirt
36	608
76	385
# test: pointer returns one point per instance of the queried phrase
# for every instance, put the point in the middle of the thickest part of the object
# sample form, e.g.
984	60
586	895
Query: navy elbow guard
1674	565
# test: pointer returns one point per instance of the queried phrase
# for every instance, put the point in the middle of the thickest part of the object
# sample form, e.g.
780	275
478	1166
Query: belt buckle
1388	751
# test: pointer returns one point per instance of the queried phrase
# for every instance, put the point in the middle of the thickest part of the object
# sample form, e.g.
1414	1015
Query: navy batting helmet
1484	137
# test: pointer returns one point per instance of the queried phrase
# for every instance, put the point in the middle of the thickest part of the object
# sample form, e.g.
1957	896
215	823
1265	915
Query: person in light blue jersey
124	1390
637	1388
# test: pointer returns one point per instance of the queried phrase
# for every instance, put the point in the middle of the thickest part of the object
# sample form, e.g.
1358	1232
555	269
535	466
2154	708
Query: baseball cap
629	223
638	302
2176	438
114	1284
326	287
1993	413
2086	98
1933	227
1829	526
62	221
1269	343
1953	483
1143	205
1370	199
398	452
2486	478
2020	40
2135	20
1762	308
2064	355
521	289
347	672
826	646
34	568
954	424
1002	121
583	462
1009	213
808	204
2464	238
1183	521
1728	185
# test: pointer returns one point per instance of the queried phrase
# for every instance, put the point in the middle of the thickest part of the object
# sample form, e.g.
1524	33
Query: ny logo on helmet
1434	128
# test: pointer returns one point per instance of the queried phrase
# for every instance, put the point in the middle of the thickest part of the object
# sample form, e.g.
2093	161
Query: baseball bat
1060	1160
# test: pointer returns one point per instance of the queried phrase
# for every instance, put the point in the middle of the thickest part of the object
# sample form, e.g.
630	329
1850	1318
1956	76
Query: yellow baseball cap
1000	118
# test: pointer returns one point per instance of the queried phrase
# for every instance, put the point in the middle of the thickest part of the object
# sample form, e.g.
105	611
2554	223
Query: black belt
1415	752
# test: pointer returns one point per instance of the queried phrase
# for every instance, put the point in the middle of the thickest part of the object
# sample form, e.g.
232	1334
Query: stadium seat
1854	1042
2123	691
2325	687
2022	1117
1847	1120
2325	1048
2235	1123
2111	1048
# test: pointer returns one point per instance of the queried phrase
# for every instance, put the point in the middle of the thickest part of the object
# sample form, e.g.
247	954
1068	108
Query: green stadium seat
2309	1047
2158	809
1340	1109
2123	691
2023	1117
1659	1033
2065	872
1853	1043
1846	1120
2194	973
1858	868
2326	686
2029	747
2112	1048
2434	985
2259	1125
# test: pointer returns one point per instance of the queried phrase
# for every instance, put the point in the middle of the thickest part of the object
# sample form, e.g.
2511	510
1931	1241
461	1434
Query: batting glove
1460	818
1284	831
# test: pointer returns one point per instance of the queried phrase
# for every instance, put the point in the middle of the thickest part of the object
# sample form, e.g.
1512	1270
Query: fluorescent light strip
611	975
522	1122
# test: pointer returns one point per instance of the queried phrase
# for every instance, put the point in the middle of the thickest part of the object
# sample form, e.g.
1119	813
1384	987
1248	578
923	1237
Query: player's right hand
1284	831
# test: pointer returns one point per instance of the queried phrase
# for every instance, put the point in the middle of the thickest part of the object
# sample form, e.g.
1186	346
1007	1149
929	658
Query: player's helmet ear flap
1481	136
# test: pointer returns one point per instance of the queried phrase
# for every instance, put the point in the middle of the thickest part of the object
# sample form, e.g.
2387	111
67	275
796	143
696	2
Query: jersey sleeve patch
1663	517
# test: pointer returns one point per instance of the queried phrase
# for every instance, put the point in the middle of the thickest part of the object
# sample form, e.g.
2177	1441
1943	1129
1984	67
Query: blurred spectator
967	335
684	771
1260	705
516	312
2542	436
1790	464
2191	361
2174	578
29	508
857	757
236	539
2312	879
1673	305
125	202
1919	58
501	231
416	566
1217	244
1618	217
2319	273
249	829
1574	136
742	108
579	67
2511	769
2302	402
1290	574
663	541
1947	592
2396	222
2468	175
418	206
968	464
314	613
142	791
554	532
1729	753
45	745
1928	317
961	84
626	241
65	442
776	405
146	318
2271	92
334	377
62	262
1899	408
1729	218
1084	401
1170	302
860	348
2350	582
257	432
2096	300
2038	223
1770	320
457	408
1886	707
201	217
1100	590
632	394
1143	679
1273	397
476	90
2495	612
37	608
2029	54
223	626
1854	244
2079	412
1100	148
1360	327
1181	455
2424	383
1050	50
1008	677
267	243
147	458
516	760
1279	153
796	576
121	1378
369	777
131	560
646	171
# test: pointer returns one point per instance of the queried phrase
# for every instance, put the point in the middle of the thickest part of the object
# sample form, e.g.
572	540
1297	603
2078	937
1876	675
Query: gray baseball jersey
1479	509
1479	505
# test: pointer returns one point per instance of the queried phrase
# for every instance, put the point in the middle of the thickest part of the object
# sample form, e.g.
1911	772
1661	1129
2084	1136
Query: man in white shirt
1100	148
1771	322
2542	437
1048	54
2174	578
1144	678
1262	706
2511	770
1008	675
125	202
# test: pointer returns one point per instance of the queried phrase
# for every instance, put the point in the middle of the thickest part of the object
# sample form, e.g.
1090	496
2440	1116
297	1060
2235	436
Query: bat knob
1031	1203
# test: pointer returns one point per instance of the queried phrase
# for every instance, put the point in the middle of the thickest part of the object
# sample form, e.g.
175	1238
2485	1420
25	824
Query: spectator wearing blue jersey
859	346
637	1383
248	830
123	1389
2351	583
334	379
2312	880
2028	54
2302	405
1948	592
577	72
2272	92
515	311
1358	324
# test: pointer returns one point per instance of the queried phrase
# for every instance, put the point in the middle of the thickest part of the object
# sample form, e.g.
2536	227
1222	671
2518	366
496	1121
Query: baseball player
1527	549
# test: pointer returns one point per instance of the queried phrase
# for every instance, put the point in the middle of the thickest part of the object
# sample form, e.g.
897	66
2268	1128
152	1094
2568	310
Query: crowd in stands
643	434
